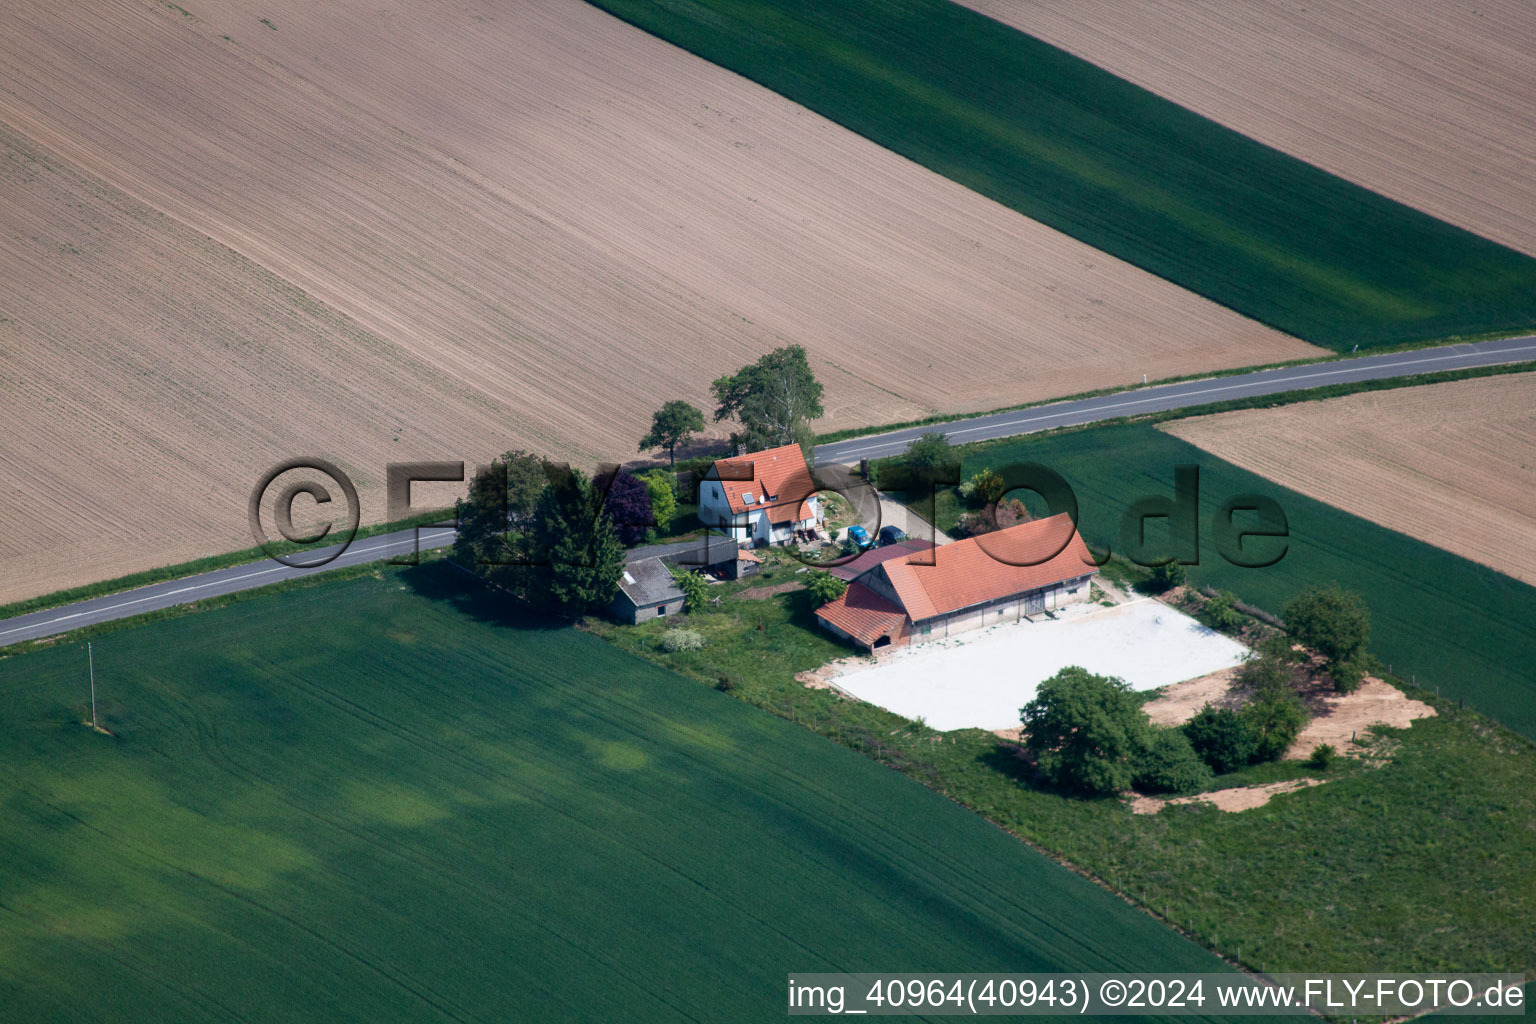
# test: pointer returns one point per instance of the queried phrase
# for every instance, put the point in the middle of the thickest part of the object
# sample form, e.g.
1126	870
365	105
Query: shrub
692	585
823	586
1085	731
1264	674
663	490
1166	576
1322	757
1348	676
1274	722
725	684
1221	737
1220	613
930	451
1170	765
675	640
986	488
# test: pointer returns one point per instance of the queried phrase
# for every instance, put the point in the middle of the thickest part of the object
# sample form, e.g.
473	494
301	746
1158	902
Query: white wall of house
748	527
714	508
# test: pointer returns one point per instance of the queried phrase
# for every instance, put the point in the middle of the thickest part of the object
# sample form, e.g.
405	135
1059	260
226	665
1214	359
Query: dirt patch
822	678
1339	718
1426	102
1240	798
425	231
1180	702
763	593
1451	464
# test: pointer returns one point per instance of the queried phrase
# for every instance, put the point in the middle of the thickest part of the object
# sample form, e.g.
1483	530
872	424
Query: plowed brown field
1452	464
237	233
1430	103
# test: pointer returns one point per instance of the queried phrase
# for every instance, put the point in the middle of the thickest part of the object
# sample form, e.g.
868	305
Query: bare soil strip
1432	104
432	231
1239	798
1452	464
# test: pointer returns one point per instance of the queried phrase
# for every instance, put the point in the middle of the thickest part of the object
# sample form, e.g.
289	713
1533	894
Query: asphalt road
1178	396
978	428
33	625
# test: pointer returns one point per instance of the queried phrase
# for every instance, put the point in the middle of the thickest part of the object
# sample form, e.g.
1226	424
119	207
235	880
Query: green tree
693	587
1220	613
1221	737
1336	624
1274	721
574	532
1348	676
483	534
495	521
1265	674
671	425
773	399
1170	765
823	586
527	476
1086	732
930	451
1166	576
987	487
663	496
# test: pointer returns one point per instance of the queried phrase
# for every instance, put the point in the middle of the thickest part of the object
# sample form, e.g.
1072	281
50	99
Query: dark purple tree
629	505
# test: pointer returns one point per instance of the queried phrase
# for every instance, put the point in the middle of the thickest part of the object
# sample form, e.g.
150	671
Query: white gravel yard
982	678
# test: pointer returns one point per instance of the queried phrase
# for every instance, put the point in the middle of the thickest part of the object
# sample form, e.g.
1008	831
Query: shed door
1034	602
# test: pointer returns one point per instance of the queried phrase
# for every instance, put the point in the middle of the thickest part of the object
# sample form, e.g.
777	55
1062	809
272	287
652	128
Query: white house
760	498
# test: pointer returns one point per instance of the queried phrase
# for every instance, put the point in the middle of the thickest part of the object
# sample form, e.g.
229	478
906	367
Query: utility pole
91	654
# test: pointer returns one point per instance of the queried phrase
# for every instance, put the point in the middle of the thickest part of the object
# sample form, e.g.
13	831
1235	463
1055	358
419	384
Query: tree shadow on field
1009	759
445	582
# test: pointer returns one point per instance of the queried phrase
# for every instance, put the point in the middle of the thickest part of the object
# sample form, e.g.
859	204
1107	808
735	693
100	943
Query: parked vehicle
891	535
860	536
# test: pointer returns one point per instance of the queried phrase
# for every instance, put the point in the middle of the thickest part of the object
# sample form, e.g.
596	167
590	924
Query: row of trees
553	537
1088	734
772	400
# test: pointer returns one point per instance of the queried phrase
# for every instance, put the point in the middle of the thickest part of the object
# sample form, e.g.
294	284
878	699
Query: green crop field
380	800
1450	623
1069	144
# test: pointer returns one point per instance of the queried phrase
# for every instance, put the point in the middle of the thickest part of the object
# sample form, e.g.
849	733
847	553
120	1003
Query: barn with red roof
1006	576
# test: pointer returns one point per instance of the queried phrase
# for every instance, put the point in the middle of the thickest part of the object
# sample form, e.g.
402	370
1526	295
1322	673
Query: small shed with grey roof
646	591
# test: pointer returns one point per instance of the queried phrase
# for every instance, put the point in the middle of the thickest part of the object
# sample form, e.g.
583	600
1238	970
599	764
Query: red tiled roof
790	513
968	572
778	474
874	556
864	614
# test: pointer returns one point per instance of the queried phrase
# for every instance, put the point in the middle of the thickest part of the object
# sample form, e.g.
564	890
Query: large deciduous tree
671	425
629	506
1335	623
774	400
1087	732
496	521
